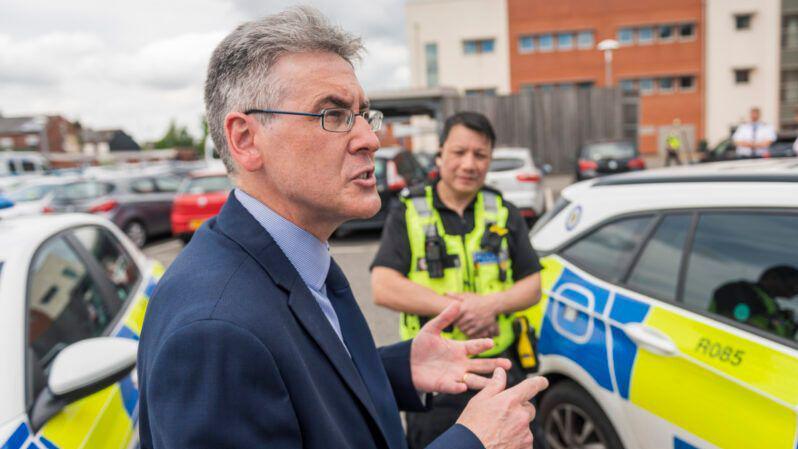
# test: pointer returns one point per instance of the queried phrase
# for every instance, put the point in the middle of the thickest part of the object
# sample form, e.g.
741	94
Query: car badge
573	218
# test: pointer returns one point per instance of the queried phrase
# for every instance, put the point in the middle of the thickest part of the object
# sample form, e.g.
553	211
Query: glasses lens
375	119
337	120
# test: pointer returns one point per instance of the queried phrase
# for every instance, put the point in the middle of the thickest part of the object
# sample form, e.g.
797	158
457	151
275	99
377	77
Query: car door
77	289
699	377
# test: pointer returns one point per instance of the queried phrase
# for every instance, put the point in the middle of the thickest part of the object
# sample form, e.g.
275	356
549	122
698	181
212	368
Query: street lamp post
607	46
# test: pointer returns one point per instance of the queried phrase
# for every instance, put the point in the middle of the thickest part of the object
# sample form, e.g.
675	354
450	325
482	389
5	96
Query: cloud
44	60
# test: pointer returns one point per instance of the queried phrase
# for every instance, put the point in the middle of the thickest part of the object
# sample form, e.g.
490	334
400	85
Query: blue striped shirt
309	256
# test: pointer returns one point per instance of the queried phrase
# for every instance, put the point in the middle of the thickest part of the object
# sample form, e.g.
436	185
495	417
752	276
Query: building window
626	36
742	21
565	41
646	86
665	33
546	87
686	83
687	31
584	39
628	85
585	85
789	86
431	58
527	88
665	85
526	44
789	32
6	142
476	46
31	140
546	42
645	35
565	86
742	76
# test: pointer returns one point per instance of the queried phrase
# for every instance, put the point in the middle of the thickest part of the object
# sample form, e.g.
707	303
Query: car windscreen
206	184
608	150
505	164
31	193
82	191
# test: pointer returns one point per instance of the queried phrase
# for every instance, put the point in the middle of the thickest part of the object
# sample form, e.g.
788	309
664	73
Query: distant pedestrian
752	139
673	144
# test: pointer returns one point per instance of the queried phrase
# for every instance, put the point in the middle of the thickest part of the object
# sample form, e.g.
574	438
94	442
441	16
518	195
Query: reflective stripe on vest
477	270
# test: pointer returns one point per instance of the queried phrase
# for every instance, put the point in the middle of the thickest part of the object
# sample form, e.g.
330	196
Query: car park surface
73	292
628	334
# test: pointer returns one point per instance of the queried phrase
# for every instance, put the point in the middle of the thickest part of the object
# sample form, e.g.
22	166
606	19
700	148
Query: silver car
513	172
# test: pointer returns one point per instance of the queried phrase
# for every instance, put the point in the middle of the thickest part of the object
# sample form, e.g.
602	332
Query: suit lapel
364	355
239	225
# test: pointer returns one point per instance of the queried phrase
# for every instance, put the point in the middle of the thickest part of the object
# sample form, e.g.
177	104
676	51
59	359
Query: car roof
25	232
764	183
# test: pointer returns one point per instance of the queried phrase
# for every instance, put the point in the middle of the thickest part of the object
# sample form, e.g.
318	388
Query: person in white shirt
752	139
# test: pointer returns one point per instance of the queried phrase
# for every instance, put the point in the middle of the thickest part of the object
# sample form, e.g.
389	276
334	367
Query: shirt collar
439	205
309	256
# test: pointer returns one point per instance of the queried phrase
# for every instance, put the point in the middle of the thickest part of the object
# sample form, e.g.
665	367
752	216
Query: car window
167	183
609	150
607	251
206	184
505	164
83	190
656	272
32	193
744	266
64	305
142	185
116	263
28	166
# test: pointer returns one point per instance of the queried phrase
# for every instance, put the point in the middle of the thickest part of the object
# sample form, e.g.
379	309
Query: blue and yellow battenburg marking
743	396
104	419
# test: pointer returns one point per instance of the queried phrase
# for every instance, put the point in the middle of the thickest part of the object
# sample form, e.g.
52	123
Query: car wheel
136	232
571	419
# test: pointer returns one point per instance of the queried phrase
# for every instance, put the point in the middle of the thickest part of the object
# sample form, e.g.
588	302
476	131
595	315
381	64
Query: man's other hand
500	418
440	365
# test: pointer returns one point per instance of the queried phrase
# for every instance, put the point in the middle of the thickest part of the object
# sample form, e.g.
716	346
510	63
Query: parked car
726	150
607	157
73	293
636	330
34	196
513	172
140	205
395	168
427	161
17	166
200	197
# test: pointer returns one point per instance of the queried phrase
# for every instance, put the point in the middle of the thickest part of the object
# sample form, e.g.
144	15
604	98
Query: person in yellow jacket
673	144
457	240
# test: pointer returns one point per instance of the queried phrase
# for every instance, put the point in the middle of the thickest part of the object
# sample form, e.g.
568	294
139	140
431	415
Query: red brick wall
604	17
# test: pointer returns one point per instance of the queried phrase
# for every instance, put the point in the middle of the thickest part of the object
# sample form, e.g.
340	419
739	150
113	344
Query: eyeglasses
336	120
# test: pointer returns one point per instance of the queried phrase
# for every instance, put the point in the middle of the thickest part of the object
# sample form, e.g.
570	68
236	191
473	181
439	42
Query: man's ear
240	130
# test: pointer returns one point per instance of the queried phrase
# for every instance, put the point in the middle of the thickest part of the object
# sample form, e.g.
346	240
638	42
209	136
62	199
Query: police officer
673	144
755	303
457	240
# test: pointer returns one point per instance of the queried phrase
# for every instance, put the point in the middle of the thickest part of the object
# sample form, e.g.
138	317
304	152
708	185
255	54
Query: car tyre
136	232
568	405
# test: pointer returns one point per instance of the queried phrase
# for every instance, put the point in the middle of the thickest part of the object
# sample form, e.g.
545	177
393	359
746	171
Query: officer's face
325	176
464	160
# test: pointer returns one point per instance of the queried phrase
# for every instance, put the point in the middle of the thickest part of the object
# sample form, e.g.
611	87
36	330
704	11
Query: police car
652	328
73	292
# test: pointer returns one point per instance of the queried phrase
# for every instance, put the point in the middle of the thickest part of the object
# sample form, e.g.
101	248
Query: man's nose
363	138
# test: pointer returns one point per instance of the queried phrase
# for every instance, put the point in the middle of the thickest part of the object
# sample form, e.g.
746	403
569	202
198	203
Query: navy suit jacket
236	353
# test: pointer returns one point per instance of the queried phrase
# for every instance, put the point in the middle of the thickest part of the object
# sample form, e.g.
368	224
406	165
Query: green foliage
175	137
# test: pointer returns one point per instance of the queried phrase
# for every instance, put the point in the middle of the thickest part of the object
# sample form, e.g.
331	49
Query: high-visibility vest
673	142
471	268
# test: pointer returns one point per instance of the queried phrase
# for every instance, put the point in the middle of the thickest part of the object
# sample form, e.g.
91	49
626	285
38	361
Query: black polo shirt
394	249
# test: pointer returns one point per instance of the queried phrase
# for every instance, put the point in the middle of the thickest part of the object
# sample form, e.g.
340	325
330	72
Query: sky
136	65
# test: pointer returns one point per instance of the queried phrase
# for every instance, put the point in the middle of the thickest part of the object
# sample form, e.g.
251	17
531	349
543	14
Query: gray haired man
253	337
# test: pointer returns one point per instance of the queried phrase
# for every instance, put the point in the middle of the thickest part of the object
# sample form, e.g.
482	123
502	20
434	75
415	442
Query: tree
204	138
175	137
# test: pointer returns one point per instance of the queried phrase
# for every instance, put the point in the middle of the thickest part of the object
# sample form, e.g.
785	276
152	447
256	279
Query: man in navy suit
253	337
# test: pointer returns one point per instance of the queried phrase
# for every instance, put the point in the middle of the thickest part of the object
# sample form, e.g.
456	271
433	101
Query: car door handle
651	339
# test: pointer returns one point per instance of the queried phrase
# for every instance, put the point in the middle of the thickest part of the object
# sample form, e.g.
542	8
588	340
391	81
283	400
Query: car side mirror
546	169
82	369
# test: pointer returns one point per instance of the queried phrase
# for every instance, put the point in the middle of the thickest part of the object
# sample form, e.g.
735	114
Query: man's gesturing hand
500	418
443	366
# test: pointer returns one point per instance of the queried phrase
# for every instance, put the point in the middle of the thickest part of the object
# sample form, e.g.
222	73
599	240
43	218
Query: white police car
667	318
73	292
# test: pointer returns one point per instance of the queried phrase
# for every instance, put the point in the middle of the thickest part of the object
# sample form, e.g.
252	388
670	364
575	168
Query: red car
200	197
